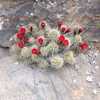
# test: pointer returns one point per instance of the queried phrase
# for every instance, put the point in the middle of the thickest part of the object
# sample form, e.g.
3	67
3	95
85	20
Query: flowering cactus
26	52
53	34
69	57
46	47
57	62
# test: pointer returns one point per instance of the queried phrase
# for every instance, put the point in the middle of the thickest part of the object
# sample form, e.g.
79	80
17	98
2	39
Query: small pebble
88	73
89	78
27	12
96	54
74	81
93	71
95	91
77	67
10	39
94	62
31	14
16	63
96	67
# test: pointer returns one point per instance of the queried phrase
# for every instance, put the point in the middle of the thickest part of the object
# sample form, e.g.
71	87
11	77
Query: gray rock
19	81
51	10
3	53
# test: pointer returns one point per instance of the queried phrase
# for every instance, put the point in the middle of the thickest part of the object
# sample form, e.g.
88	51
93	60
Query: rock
3	53
51	10
21	81
8	29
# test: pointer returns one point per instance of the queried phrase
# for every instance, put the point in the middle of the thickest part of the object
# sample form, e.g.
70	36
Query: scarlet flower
81	30
84	46
20	36
42	24
67	30
61	38
59	23
40	40
20	44
35	51
22	30
25	39
66	42
63	28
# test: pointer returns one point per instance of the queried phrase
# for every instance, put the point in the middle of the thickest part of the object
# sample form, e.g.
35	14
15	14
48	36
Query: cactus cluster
45	47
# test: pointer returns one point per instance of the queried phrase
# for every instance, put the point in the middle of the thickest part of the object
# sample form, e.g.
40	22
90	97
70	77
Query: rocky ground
84	12
20	82
78	82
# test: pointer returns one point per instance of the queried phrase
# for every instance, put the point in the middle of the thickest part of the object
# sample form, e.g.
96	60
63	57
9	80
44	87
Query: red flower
20	36
81	30
35	51
42	24
20	44
22	30
84	46
25	39
66	42
67	30
63	28
61	38
59	23
40	40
